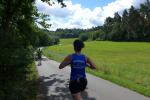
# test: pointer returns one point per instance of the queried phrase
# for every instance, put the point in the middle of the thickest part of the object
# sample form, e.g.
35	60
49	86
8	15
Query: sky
83	14
92	3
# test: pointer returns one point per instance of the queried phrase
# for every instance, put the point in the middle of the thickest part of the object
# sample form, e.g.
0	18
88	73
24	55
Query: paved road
54	86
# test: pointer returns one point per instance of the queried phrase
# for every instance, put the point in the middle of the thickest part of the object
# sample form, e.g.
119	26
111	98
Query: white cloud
76	16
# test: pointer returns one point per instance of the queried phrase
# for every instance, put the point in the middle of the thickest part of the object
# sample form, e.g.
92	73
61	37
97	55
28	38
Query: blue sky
83	13
92	3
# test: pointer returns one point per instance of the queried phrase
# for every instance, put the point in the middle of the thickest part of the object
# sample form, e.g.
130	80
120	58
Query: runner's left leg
77	96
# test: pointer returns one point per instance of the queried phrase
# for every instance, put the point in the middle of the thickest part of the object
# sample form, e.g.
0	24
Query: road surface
54	85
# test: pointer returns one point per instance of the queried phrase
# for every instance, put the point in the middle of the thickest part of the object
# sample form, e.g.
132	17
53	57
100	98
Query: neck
78	52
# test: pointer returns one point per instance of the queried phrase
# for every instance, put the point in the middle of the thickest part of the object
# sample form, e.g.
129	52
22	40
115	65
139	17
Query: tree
116	33
133	25
117	17
108	25
18	36
145	17
145	10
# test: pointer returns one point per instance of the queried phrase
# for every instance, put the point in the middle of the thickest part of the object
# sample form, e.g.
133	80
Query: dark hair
78	45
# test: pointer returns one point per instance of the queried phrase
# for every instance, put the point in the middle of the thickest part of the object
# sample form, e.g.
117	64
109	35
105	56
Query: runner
39	56
78	62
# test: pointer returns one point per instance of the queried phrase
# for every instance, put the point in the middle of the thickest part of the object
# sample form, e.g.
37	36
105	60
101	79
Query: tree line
132	25
68	33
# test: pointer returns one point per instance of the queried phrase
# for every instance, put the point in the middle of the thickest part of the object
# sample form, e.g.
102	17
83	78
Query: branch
51	3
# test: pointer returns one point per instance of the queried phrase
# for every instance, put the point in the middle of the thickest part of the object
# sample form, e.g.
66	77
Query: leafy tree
108	25
145	13
115	34
124	25
117	17
133	25
18	36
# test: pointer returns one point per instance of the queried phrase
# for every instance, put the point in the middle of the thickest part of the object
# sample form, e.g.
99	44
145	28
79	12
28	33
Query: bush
18	75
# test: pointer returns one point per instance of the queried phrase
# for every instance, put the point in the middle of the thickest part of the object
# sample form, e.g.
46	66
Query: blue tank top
78	65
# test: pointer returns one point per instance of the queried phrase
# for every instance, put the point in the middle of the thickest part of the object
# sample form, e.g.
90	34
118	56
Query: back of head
78	45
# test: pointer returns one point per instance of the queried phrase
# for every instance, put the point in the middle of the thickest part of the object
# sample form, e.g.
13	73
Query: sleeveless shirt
78	65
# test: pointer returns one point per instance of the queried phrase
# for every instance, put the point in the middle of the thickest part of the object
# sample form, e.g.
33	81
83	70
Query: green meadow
124	63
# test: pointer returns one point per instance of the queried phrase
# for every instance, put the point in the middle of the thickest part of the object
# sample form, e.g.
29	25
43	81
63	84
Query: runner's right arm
65	62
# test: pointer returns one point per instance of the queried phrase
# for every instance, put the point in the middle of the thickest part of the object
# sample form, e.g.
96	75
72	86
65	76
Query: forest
132	25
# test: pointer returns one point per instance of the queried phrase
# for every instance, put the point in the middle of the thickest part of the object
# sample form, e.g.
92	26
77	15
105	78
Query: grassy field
124	63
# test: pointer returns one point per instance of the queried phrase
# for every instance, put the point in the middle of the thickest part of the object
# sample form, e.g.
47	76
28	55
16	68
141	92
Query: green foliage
84	37
19	34
133	25
115	34
17	74
45	38
68	33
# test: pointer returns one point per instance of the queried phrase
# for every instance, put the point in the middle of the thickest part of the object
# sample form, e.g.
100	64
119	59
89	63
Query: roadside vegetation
19	38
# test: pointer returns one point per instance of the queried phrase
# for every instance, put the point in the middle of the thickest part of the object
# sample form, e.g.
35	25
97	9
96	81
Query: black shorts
76	86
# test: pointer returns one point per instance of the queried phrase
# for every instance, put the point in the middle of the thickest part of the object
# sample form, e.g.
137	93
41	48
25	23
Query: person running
39	56
78	62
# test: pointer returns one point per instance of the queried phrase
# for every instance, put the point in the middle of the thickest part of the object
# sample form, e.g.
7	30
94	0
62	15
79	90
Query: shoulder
68	57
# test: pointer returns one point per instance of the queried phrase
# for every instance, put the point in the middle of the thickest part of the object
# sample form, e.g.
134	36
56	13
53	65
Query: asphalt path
54	85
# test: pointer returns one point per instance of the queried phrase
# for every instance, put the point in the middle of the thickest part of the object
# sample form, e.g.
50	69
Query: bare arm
65	62
90	63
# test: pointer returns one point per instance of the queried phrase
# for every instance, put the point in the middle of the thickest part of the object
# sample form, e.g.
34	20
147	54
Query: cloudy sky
83	13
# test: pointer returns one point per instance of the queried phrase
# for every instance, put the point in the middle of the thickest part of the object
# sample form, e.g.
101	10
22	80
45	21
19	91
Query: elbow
93	67
60	67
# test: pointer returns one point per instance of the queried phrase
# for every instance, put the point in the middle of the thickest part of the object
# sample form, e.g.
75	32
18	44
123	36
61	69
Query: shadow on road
44	59
55	88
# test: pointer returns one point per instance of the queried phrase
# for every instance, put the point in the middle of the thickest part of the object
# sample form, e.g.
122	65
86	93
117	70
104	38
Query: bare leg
39	62
77	96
